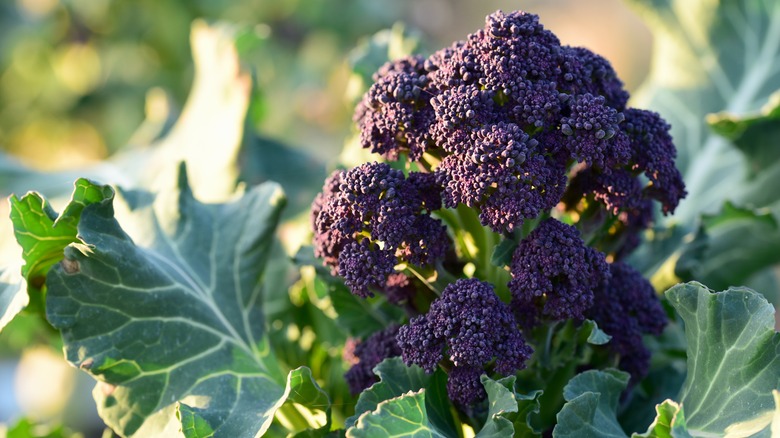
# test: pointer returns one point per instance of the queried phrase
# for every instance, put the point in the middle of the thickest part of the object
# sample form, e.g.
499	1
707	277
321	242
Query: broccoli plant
516	181
483	269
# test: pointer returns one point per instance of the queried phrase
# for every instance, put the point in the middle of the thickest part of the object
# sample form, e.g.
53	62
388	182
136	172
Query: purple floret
464	386
370	218
504	175
592	127
654	154
369	353
586	72
395	113
626	308
554	274
503	115
419	345
363	267
475	327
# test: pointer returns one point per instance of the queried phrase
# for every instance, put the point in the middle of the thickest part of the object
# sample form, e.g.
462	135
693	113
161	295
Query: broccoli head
554	274
369	218
502	116
470	326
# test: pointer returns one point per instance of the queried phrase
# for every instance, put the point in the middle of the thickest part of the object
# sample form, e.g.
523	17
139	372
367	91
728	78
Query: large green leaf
301	389
405	415
715	62
165	309
733	355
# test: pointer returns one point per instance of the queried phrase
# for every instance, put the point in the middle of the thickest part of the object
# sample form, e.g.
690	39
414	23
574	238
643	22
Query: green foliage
592	402
716	59
509	413
733	367
25	428
195	329
733	355
405	415
395	380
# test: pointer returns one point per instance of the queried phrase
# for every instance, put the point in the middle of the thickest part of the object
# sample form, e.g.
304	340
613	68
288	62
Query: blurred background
75	77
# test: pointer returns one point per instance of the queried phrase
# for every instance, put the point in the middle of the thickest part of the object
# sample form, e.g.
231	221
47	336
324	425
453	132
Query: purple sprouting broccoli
371	217
502	117
470	327
653	155
554	274
627	308
395	113
368	354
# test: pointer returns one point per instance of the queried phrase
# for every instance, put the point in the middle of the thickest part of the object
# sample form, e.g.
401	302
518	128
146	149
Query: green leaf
731	247
396	379
592	405
25	428
401	416
42	234
709	57
502	254
509	413
13	294
669	422
756	135
301	389
733	356
733	366
596	336
166	308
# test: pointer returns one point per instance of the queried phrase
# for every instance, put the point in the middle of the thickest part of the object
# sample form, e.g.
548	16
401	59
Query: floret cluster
470	327
538	140
500	117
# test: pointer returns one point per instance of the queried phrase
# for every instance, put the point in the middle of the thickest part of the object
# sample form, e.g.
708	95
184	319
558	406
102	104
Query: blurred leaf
731	246
405	415
25	428
13	294
707	58
756	136
502	253
592	399
195	331
372	53
300	173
